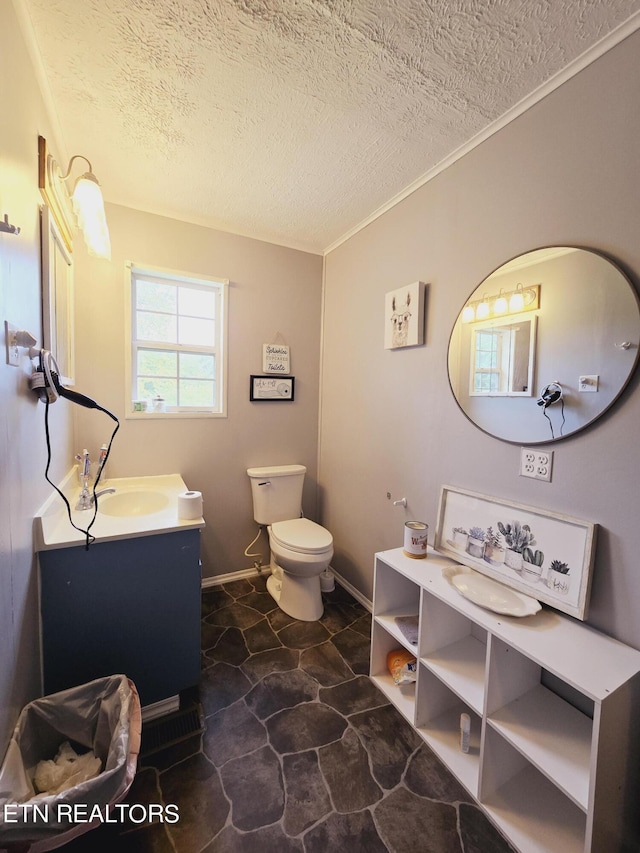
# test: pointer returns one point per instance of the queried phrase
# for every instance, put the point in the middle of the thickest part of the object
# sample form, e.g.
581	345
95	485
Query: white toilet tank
277	492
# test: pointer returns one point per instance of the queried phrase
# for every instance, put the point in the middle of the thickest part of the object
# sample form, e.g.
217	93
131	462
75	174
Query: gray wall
272	289
22	445
564	173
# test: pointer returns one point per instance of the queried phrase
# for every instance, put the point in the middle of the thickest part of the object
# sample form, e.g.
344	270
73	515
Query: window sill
154	416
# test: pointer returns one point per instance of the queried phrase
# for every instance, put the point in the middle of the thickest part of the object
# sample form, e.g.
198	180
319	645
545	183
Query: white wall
272	289
564	173
22	446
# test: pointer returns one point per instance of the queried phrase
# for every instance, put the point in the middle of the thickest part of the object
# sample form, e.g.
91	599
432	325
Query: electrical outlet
588	384
13	354
536	464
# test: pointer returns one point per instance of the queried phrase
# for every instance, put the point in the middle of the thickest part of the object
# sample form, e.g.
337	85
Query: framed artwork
278	389
404	316
57	296
540	553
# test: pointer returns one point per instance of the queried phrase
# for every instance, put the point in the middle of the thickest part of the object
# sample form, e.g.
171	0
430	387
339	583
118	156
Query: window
178	344
502	356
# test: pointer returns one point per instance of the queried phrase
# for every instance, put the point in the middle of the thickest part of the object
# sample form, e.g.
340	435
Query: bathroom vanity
554	758
131	602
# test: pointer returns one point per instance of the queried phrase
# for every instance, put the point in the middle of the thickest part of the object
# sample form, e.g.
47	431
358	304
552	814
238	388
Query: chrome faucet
86	497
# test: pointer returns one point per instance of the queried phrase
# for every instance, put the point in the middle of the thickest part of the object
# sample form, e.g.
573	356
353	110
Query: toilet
300	549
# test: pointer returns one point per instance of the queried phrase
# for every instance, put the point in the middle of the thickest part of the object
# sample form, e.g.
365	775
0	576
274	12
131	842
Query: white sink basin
140	506
133	503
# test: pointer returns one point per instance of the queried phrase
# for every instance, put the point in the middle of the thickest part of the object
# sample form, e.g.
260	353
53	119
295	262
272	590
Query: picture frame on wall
279	389
404	316
543	554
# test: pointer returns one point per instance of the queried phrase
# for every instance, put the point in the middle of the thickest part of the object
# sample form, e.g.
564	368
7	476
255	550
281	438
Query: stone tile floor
300	752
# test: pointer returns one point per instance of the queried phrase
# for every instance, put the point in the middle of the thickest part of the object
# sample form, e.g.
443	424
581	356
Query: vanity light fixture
88	206
504	303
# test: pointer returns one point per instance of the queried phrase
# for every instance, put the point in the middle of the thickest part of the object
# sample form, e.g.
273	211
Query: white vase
558	582
513	559
476	548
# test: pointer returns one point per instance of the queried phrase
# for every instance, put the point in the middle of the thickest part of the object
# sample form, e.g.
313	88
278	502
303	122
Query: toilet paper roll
189	505
415	539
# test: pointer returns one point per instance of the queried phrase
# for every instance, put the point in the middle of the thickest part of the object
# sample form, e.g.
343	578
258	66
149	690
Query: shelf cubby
403	696
438	711
525	804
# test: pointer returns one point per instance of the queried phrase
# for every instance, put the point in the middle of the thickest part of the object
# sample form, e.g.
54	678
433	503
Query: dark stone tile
279	619
234	616
260	637
307	799
338	616
220	686
402	819
428	777
358	694
354	648
260	601
304	727
254	785
325	664
355	833
230	647
209	634
281	690
231	733
340	594
259	582
238	588
109	837
270	839
389	740
194	786
363	625
478	833
345	766
303	635
276	660
214	598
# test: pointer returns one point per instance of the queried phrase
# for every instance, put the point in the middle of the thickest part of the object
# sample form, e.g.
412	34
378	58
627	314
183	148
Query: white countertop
53	530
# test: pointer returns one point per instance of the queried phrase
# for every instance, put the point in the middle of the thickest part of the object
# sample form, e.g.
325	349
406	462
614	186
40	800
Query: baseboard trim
218	580
159	709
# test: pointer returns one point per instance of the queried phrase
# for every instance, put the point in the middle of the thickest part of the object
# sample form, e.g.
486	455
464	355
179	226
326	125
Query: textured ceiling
293	120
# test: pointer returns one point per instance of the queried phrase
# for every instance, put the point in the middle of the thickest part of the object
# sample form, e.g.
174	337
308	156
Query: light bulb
482	311
500	305
468	314
89	208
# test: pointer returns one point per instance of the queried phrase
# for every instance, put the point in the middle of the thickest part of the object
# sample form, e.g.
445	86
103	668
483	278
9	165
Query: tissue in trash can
65	770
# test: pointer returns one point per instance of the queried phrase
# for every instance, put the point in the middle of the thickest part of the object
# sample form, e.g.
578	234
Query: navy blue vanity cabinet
129	606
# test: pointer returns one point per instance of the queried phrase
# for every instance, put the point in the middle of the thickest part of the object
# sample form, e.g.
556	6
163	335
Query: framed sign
275	358
540	553
275	388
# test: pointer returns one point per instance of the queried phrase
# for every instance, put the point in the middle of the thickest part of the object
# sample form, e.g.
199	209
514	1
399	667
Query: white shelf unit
554	758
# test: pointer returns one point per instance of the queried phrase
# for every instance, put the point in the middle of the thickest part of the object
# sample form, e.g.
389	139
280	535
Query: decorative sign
275	358
275	388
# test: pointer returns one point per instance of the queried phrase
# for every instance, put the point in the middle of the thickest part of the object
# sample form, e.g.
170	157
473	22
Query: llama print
404	320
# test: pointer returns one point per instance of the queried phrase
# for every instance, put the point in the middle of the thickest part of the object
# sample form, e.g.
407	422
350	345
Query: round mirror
545	345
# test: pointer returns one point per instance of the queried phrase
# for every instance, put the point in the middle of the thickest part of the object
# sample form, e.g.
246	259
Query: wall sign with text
275	358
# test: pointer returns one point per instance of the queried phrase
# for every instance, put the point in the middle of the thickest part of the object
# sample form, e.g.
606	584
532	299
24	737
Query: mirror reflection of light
500	306
482	311
516	301
468	314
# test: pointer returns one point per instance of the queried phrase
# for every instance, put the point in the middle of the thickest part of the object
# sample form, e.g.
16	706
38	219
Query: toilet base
299	597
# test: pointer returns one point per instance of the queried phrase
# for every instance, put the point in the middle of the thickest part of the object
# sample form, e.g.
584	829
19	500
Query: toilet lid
301	535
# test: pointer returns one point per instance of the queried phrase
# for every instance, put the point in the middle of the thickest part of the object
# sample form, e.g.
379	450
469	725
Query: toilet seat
301	535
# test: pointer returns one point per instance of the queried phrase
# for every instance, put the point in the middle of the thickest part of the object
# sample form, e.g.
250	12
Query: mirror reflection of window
502	356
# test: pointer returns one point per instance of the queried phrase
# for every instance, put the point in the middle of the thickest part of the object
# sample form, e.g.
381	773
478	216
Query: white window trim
175	275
